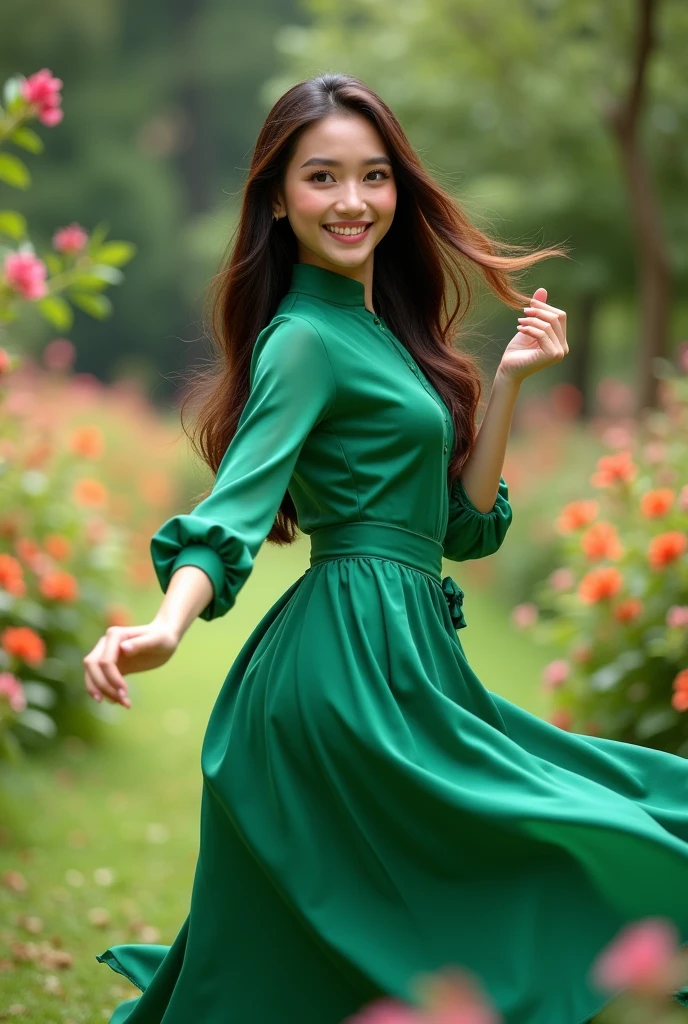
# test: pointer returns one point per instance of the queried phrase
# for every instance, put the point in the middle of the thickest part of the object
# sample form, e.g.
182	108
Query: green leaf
12	90
86	283
28	139
115	253
8	314
98	306
53	262
56	311
12	224
14	171
38	721
98	236
654	722
112	275
39	694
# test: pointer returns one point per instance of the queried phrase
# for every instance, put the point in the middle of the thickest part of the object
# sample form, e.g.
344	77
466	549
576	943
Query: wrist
504	380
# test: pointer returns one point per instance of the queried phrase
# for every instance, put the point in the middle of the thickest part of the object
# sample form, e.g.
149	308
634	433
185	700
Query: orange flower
679	700
681	680
87	442
657	503
118	615
628	609
611	469
57	546
576	514
59	586
24	643
91	492
12	576
666	548
601	541
600	584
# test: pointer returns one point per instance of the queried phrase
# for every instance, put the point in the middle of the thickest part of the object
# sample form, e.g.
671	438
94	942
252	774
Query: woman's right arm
203	558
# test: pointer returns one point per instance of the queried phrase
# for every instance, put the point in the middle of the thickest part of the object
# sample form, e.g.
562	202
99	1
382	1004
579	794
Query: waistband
379	539
384	540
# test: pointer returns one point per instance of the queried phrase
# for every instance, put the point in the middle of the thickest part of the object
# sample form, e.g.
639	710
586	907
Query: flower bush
79	267
76	518
69	505
617	601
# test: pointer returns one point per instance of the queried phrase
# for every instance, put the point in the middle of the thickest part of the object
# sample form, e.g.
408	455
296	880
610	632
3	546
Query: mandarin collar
327	285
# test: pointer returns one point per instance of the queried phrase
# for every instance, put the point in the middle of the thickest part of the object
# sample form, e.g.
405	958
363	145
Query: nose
351	202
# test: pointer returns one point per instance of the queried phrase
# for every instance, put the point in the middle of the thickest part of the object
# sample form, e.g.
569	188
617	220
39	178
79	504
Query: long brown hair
425	256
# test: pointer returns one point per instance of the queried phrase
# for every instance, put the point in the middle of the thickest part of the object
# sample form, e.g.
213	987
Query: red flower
666	548
576	514
628	609
600	584
612	469
655	504
23	642
601	540
59	586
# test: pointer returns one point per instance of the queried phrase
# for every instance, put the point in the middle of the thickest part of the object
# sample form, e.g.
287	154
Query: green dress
369	810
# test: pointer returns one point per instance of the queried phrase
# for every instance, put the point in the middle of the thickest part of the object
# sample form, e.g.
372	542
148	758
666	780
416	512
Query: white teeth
346	231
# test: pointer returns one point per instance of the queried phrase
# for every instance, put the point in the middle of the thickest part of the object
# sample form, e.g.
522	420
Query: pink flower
555	674
641	958
524	615
42	91
385	1011
13	691
70	239
562	579
59	354
26	274
677	616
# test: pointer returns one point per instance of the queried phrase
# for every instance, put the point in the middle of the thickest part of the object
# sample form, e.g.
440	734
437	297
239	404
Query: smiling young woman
370	811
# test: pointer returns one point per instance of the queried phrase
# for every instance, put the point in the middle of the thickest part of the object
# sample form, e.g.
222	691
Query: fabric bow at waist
454	596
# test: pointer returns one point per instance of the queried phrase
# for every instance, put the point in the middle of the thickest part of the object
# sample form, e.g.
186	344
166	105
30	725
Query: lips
350	239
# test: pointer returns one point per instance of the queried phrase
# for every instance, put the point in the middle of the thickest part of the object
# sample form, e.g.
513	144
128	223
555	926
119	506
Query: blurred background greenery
551	120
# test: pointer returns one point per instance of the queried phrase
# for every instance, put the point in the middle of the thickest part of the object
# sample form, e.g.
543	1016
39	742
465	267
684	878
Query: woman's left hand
540	341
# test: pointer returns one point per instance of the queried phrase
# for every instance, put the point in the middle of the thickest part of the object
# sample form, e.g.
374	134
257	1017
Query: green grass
132	804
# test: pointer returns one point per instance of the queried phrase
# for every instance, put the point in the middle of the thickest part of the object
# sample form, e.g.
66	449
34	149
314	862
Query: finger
551	318
547	305
91	687
108	660
96	673
546	343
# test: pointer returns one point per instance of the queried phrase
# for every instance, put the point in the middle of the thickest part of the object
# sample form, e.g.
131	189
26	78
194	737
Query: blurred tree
516	93
161	110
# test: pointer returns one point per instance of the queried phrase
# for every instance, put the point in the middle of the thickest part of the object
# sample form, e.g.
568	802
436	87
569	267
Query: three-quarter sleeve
471	533
292	389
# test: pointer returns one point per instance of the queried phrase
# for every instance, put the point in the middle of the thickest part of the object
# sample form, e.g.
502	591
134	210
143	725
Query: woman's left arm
539	342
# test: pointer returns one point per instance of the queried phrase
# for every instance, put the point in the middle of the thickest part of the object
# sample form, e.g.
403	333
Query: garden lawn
106	838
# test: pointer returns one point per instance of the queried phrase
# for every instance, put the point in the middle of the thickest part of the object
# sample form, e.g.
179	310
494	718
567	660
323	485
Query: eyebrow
337	163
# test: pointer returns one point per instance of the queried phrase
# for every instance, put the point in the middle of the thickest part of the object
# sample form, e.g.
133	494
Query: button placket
415	370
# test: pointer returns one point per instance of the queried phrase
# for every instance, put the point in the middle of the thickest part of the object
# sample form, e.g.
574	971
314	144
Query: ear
278	206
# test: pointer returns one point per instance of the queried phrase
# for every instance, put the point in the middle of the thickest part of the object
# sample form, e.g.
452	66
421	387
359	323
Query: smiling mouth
356	232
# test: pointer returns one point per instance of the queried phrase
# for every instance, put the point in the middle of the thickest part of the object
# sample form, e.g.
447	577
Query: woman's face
339	176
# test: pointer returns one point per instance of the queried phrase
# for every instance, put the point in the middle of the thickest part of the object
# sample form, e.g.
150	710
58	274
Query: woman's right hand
125	649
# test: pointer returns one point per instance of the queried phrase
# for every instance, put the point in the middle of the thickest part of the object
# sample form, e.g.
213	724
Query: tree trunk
653	260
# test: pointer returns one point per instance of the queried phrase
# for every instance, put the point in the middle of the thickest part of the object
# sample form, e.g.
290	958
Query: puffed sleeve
292	389
471	533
